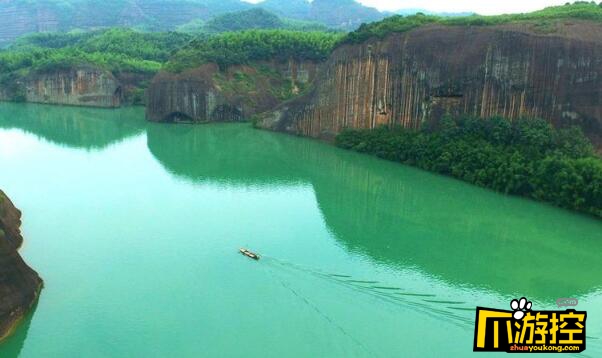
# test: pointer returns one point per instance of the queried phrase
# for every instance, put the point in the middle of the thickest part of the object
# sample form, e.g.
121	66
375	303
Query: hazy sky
485	7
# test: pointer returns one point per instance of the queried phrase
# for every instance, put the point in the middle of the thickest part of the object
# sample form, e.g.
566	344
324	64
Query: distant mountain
24	16
406	12
244	20
255	18
346	14
19	17
296	9
341	14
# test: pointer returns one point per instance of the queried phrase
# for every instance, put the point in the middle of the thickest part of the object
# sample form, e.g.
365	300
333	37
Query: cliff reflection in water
77	127
12	347
395	215
400	216
226	153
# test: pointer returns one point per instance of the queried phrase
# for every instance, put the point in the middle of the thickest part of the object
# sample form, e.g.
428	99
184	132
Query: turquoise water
135	229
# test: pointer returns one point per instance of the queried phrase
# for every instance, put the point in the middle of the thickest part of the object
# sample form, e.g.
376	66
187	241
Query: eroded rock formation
78	86
208	94
86	86
19	284
406	79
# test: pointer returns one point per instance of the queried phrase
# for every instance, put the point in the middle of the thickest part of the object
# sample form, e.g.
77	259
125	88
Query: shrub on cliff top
379	29
526	157
235	48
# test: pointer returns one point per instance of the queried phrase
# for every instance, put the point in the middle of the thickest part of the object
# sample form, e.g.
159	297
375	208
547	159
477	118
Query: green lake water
135	228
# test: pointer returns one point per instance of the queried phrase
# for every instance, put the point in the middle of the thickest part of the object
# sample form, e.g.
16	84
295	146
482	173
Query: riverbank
527	157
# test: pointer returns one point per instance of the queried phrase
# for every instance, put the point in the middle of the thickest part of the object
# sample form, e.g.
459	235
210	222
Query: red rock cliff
77	86
19	284
409	78
207	94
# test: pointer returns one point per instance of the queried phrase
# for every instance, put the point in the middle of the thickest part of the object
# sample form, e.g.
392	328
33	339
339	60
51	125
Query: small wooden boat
249	254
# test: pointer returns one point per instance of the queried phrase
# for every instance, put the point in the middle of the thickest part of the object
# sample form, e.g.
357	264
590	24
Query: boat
249	254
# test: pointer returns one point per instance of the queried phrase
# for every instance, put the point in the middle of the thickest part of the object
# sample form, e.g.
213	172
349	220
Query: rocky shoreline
20	285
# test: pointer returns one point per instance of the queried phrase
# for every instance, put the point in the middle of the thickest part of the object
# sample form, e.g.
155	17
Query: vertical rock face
81	87
407	79
187	96
207	94
78	86
19	284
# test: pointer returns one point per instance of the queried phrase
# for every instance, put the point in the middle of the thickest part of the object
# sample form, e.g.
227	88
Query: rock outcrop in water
78	86
408	78
19	284
207	94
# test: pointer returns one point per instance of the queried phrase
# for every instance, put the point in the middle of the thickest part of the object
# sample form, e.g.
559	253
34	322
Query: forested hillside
254	45
131	56
543	19
114	49
252	19
19	17
134	57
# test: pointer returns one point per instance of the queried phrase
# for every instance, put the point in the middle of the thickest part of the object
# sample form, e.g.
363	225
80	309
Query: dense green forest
114	49
20	17
224	39
253	19
254	45
126	51
527	157
227	40
578	10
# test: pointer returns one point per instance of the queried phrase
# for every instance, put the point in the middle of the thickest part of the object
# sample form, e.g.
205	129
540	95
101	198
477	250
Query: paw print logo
520	307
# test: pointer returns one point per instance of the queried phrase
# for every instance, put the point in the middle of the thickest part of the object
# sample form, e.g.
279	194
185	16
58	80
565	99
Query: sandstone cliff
78	86
408	78
19	284
207	94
